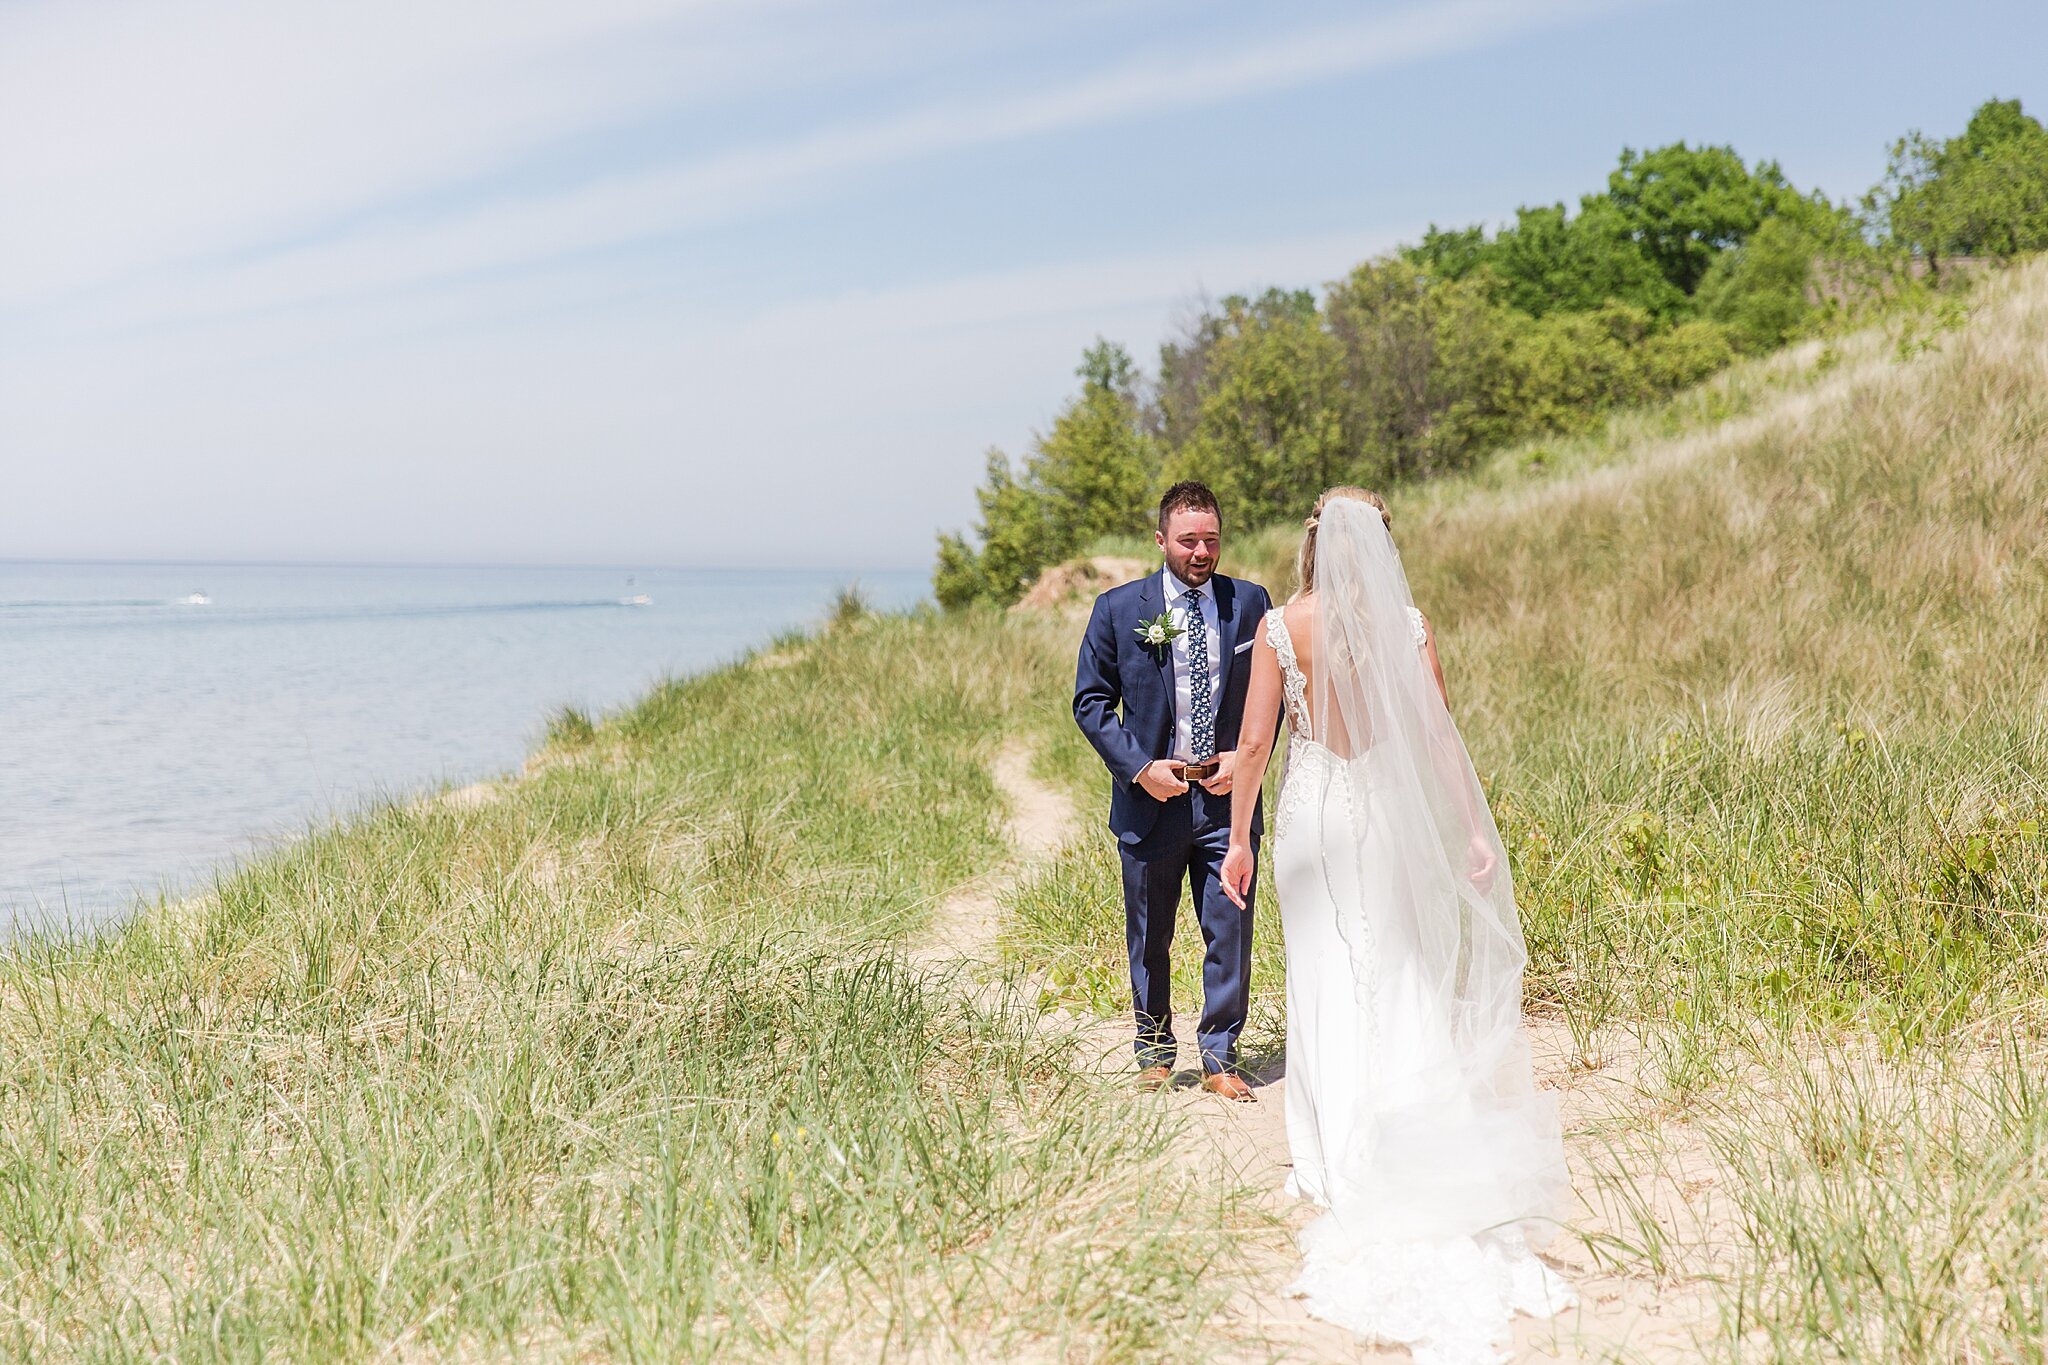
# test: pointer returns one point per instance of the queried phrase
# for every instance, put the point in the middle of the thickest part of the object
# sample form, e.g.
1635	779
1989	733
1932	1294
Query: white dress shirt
1183	686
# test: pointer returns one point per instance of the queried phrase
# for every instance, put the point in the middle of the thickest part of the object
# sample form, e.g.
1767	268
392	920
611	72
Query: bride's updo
1305	562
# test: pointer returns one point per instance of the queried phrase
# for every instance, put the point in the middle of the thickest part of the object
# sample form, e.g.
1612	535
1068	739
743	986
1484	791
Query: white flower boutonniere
1159	632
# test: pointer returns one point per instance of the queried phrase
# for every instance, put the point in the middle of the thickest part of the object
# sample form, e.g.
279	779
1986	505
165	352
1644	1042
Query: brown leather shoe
1230	1086
1154	1078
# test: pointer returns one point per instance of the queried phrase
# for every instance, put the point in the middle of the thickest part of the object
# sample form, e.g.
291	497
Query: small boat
638	599
195	599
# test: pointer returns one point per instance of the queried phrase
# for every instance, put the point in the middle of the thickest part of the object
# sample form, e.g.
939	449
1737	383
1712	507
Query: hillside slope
1859	531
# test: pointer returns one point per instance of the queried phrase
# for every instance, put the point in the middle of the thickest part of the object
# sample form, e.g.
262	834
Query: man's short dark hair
1189	495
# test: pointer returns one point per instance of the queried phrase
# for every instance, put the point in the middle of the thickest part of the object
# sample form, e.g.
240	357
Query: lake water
146	740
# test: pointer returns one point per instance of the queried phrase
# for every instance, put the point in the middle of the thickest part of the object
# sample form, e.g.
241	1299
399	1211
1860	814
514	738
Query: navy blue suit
1164	843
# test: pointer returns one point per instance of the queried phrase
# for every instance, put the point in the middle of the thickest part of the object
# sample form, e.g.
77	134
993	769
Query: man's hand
1158	780
1218	782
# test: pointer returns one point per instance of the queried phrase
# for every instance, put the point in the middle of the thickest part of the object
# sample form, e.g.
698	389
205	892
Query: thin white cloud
137	133
748	180
1151	282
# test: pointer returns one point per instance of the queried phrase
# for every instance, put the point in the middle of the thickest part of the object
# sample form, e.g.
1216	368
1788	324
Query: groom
1173	650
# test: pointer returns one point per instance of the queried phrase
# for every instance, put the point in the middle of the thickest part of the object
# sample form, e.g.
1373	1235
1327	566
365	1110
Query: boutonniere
1159	632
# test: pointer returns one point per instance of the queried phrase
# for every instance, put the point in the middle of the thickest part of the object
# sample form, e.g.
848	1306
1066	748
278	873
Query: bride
1412	1114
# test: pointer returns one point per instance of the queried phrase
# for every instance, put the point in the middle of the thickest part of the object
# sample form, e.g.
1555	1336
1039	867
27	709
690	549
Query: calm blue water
145	741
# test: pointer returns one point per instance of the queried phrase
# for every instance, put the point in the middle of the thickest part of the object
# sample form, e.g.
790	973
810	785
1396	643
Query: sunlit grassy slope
1759	683
1790	666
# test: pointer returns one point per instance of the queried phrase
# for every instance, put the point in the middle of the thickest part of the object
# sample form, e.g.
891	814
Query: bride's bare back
1303	621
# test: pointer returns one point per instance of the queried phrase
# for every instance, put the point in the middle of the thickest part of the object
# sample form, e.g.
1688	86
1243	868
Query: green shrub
1760	291
1572	367
1685	355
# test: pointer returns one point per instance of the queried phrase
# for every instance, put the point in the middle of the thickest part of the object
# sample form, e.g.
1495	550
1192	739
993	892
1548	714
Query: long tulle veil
1458	1140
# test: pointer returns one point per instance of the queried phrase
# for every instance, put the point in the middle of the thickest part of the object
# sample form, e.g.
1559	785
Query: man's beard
1192	576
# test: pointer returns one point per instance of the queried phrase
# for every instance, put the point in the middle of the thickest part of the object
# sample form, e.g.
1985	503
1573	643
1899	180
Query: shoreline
217	734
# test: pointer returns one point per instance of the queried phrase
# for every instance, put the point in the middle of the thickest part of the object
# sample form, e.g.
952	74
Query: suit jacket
1117	671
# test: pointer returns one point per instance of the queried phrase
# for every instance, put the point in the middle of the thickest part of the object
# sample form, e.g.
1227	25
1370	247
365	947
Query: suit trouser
1187	845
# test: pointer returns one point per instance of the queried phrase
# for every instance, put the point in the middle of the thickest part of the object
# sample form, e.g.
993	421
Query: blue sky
759	281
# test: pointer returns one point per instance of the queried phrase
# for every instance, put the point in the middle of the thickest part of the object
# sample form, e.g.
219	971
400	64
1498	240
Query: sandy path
1605	1111
1038	818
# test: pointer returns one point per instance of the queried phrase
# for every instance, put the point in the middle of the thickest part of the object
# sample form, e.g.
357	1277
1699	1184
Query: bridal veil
1453	1139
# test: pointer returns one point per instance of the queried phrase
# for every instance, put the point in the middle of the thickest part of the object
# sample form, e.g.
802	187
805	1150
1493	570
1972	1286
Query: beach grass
619	1060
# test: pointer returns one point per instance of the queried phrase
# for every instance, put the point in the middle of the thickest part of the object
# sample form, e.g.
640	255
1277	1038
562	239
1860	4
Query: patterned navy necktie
1202	723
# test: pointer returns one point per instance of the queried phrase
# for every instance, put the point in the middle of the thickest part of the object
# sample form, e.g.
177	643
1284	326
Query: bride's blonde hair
1305	561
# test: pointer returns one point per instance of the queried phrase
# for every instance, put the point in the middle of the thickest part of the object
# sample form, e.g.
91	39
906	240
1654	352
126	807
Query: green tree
1097	466
1419	364
1983	193
1647	241
1686	205
1269	434
1018	538
1426	367
1091	475
1761	290
1554	263
1450	253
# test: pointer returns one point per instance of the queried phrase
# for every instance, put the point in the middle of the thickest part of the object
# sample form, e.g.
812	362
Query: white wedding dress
1412	1113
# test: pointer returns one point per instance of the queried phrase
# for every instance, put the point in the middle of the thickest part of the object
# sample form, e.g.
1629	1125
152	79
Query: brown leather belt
1196	772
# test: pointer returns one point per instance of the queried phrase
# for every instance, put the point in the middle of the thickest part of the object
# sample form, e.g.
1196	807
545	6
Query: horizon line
630	566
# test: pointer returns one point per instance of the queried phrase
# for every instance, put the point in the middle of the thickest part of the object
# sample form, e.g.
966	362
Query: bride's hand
1479	856
1237	870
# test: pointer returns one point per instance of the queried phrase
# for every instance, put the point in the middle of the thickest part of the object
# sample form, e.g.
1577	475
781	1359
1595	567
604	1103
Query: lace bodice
1293	683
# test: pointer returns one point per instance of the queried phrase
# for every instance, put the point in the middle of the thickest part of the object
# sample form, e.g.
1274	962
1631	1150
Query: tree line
1420	362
